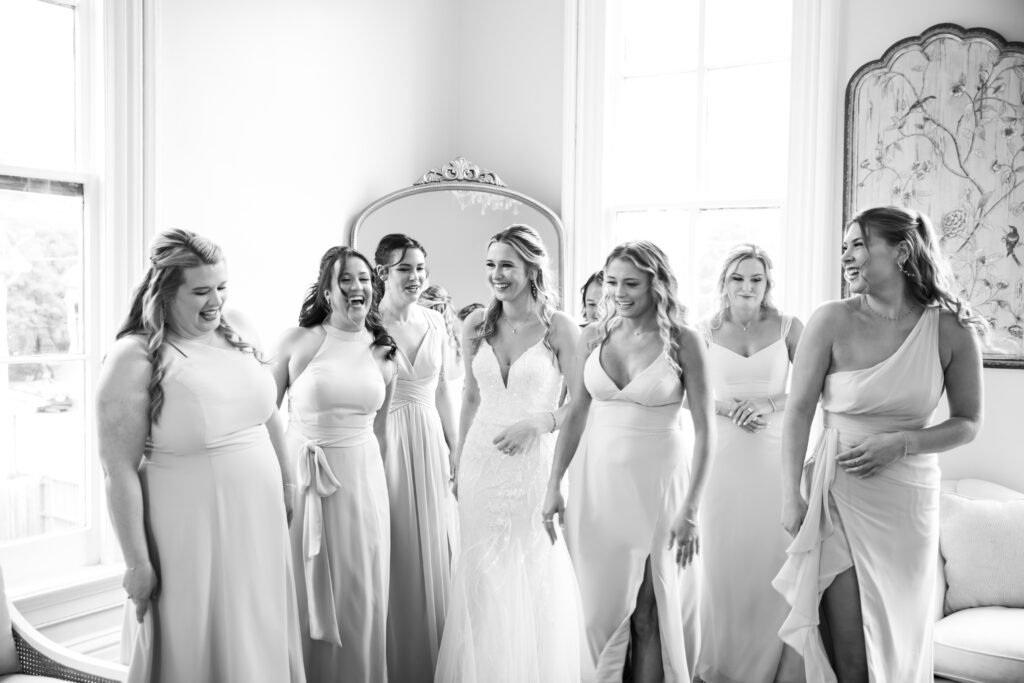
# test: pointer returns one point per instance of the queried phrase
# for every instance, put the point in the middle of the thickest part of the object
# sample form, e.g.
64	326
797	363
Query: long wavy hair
316	308
435	297
670	312
526	243
172	253
382	257
742	252
926	270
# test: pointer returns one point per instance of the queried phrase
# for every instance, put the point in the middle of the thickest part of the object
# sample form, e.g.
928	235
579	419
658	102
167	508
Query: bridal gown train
742	544
513	609
885	526
631	476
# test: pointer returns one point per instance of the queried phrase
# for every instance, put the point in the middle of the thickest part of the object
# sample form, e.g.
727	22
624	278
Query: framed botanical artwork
937	124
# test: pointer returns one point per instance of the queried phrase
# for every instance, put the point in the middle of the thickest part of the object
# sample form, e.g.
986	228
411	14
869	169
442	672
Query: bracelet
772	404
554	421
289	486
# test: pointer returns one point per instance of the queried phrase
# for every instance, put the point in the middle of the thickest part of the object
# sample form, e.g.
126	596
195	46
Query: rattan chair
39	656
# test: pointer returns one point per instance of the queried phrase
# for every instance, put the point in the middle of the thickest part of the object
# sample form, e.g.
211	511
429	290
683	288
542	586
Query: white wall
868	28
510	75
277	122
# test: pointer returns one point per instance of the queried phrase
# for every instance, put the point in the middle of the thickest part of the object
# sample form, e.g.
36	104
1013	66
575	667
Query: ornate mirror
453	211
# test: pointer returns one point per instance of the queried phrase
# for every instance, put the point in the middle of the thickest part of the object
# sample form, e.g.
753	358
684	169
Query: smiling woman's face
506	272
196	307
629	287
351	293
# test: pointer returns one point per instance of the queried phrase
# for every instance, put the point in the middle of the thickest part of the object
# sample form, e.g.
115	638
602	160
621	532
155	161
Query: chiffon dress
513	616
421	510
631	477
215	521
885	526
341	536
742	544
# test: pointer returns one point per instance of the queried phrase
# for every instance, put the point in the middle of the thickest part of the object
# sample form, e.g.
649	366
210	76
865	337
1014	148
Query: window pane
669	229
37	79
747	132
653	145
659	36
42	444
41	275
718	231
763	34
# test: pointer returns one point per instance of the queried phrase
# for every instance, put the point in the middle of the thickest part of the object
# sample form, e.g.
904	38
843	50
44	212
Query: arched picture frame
937	124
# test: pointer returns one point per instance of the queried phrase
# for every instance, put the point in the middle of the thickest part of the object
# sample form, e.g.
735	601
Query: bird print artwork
1012	239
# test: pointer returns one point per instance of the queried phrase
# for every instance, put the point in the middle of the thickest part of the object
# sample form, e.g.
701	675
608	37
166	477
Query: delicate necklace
515	329
883	316
746	327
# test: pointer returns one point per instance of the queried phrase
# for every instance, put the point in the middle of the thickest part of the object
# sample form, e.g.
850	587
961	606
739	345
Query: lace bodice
534	383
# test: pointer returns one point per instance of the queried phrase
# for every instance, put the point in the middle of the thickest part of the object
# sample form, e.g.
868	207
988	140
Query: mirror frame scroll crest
461	175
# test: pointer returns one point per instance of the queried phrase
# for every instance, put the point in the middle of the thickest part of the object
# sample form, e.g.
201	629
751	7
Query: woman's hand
873	454
289	502
520	436
554	504
747	410
141	583
683	535
453	479
793	513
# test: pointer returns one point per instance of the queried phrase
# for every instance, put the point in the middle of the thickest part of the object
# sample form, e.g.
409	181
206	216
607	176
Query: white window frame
815	147
110	165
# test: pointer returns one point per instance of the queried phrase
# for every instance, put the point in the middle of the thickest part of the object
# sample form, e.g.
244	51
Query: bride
514	608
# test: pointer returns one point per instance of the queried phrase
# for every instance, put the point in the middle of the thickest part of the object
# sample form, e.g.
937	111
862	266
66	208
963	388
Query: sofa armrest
40	656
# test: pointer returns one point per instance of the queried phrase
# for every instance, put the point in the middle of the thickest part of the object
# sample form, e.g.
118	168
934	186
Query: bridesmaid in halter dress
865	517
420	433
194	460
338	370
750	346
632	513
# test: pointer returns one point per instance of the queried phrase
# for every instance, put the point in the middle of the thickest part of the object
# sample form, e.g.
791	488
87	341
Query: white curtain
811	237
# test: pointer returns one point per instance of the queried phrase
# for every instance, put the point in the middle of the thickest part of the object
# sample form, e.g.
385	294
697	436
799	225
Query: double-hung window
49	288
692	136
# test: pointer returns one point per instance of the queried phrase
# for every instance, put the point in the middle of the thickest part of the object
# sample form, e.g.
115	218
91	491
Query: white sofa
977	644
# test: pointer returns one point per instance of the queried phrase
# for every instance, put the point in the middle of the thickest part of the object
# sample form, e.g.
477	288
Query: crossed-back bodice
341	386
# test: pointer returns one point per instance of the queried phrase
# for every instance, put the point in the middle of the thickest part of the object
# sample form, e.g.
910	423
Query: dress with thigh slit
885	526
630	480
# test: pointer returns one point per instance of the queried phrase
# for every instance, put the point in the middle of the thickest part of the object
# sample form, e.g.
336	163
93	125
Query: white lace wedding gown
513	613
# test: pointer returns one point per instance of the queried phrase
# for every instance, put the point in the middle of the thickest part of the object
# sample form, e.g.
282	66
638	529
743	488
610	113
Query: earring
899	264
533	289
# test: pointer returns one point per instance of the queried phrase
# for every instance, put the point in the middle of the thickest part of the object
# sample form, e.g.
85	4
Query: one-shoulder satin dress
885	526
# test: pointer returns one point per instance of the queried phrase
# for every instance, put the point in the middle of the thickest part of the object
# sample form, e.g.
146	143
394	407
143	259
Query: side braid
236	340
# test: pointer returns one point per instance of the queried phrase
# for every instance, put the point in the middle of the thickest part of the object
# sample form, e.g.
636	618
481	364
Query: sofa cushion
981	644
8	655
982	542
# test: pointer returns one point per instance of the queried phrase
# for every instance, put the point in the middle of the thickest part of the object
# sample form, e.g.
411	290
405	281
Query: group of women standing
675	566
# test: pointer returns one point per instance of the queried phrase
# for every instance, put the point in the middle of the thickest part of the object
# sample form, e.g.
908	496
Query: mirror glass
454	220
